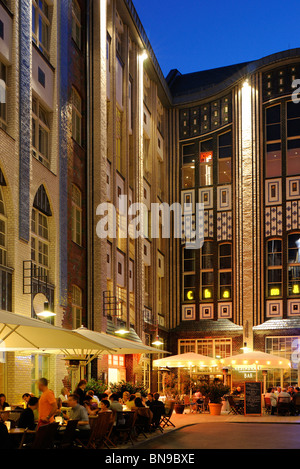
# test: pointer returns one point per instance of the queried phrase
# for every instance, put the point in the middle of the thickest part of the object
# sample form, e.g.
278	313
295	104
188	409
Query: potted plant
214	391
179	405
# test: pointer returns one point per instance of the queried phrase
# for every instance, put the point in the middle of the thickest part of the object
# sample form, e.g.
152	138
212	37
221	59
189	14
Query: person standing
80	391
47	403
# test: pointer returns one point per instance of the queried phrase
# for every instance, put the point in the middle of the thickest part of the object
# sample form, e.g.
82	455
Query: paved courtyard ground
204	431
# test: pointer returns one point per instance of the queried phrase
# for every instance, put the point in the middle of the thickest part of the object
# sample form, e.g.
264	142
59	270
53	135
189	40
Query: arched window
40	239
274	267
76	306
76	215
225	271
294	264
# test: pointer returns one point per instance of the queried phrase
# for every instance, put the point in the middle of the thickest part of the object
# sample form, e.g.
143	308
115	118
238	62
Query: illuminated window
41	26
3	225
294	264
273	141
206	163
40	238
207	271
76	306
274	267
188	278
225	271
293	139
225	156
188	165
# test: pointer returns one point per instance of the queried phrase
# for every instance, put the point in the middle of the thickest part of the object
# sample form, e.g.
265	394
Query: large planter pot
179	408
215	409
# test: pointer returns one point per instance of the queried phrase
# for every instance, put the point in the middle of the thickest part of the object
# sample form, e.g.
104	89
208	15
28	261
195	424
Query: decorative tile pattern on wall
224	226
293	307
208	224
293	215
207	311
274	309
273	191
293	188
206	197
273	221
224	198
188	312
225	310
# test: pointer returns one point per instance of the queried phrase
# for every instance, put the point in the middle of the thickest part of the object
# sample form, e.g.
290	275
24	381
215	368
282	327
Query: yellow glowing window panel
275	292
190	295
296	289
226	294
207	293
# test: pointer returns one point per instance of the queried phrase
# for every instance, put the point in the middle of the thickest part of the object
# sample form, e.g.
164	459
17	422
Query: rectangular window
41	26
293	139
40	133
207	272
76	117
273	141
215	348
206	163
3	96
225	271
188	278
294	264
76	23
225	158
274	267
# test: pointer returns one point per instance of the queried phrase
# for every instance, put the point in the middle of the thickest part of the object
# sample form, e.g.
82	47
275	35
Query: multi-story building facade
237	149
88	118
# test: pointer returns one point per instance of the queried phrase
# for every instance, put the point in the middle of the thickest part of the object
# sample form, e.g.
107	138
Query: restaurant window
206	163
188	277
41	26
76	215
225	271
224	158
294	264
293	139
40	137
274	267
215	348
76	116
207	271
76	307
3	96
286	347
273	141
76	23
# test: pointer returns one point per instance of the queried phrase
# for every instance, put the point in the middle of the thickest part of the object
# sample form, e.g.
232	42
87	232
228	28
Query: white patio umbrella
260	360
21	333
186	360
121	346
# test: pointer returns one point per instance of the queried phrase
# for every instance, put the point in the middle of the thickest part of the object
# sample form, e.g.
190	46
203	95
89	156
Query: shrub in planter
214	391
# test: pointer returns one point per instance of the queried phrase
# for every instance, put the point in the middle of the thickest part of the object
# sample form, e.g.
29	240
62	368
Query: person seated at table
277	390
78	412
104	406
130	404
5	442
3	402
157	408
125	397
27	416
273	399
95	399
115	405
284	395
291	391
138	402
149	399
26	396
64	394
91	407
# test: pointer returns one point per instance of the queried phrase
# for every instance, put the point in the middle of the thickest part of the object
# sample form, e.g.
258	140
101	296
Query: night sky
193	35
